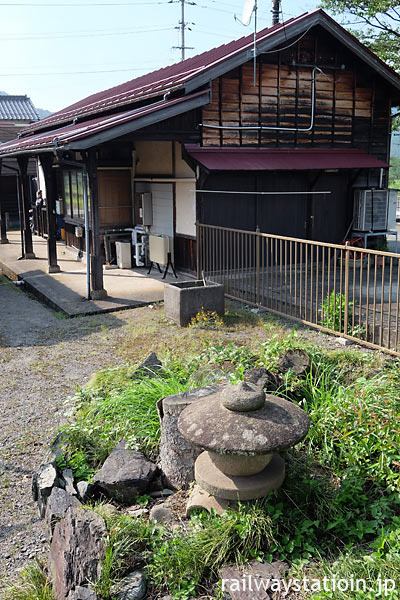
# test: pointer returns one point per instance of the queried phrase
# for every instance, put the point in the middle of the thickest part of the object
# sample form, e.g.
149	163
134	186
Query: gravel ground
42	360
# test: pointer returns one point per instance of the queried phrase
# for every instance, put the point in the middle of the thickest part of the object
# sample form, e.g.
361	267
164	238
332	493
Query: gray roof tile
17	108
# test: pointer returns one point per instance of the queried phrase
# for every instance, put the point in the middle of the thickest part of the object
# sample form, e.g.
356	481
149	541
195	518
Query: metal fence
352	292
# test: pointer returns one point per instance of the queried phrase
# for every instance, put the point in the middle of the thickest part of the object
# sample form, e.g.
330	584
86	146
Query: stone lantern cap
241	419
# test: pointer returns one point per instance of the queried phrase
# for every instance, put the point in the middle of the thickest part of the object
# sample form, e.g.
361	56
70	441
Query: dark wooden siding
324	217
352	104
185	253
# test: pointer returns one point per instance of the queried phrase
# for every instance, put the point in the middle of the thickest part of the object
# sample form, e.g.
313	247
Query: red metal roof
282	159
62	136
161	81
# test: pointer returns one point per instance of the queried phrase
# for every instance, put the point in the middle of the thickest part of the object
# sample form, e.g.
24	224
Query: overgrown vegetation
338	511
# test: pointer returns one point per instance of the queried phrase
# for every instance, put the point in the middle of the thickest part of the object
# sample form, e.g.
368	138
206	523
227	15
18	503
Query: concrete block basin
184	299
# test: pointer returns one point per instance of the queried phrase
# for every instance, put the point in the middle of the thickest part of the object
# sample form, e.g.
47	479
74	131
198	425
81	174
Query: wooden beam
46	160
93	253
3	226
26	206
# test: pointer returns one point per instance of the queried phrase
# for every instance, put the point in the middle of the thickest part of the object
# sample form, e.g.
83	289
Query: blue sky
51	52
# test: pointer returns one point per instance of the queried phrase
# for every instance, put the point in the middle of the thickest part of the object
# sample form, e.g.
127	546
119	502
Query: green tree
376	24
394	172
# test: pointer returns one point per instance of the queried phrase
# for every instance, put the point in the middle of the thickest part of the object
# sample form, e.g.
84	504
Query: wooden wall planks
350	107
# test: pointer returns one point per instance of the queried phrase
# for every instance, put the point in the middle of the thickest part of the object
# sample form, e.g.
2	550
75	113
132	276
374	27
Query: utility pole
276	6
182	27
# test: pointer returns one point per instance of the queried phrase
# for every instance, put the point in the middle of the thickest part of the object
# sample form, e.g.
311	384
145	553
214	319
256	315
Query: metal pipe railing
348	291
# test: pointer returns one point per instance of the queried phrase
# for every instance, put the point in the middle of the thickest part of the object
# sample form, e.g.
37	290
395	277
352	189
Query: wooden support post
93	254
26	205
46	160
3	225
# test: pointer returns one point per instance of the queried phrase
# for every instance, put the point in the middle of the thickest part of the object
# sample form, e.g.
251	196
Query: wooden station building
223	139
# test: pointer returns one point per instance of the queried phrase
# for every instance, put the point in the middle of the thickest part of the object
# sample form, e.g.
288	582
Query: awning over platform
281	159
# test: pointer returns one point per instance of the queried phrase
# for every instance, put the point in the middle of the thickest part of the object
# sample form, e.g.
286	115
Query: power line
97	4
54	35
75	72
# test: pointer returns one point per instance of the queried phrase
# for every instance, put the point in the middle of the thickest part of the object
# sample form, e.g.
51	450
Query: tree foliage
377	25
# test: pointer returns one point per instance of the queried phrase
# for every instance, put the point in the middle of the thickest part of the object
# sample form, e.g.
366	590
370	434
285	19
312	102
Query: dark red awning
282	159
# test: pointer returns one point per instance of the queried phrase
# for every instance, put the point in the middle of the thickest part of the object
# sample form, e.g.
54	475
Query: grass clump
178	561
117	407
32	584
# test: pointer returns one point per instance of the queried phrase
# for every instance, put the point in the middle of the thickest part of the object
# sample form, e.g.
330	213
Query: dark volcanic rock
125	475
132	587
294	360
263	379
57	505
149	367
82	593
77	550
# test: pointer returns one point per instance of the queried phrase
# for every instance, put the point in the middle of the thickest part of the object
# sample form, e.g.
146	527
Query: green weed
32	584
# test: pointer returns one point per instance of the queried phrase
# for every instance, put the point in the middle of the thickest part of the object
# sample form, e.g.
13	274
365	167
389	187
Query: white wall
185	208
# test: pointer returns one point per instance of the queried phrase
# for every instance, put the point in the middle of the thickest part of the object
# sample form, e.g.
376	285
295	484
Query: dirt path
42	359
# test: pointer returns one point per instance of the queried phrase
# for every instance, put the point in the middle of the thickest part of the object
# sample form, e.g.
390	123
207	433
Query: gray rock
43	482
67	481
149	367
76	551
85	490
294	360
132	587
58	503
125	475
253	582
82	593
263	379
162	514
345	342
177	455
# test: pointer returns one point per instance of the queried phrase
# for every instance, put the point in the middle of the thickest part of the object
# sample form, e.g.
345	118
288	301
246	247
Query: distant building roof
17	108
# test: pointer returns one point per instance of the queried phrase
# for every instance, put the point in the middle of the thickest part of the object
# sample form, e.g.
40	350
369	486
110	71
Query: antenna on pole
276	9
182	27
250	7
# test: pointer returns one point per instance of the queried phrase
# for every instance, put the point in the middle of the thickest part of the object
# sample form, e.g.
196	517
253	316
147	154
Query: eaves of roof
103	128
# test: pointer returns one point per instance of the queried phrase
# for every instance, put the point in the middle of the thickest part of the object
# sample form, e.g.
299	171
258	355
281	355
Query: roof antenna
276	8
249	7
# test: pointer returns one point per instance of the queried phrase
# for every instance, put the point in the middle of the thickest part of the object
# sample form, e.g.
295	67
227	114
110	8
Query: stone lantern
241	430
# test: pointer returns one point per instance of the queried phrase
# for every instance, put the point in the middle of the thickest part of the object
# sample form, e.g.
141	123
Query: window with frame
73	195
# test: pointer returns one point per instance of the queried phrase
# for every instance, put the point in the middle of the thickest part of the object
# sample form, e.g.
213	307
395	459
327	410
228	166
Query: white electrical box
124	258
78	231
160	246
